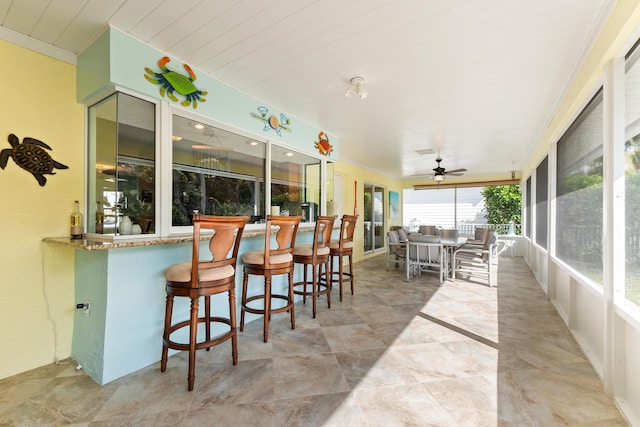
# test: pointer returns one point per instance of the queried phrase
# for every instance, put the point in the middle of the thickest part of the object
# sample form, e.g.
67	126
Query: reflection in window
215	172
632	179
295	183
121	165
579	192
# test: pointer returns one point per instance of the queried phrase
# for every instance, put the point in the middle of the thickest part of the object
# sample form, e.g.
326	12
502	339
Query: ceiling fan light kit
439	172
356	88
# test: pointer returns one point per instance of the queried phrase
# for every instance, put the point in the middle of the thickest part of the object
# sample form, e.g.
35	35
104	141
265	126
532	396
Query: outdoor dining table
449	245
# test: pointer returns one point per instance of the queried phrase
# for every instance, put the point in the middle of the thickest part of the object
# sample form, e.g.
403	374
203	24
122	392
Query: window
215	172
295	183
542	177
528	211
632	179
579	192
121	168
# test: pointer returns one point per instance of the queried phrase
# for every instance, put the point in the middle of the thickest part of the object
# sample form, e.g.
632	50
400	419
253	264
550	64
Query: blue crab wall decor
172	81
31	156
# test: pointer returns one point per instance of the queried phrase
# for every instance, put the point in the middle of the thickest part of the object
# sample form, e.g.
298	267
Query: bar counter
124	283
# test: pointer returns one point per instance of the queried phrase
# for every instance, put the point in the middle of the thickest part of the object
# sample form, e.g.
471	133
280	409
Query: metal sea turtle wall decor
172	81
31	156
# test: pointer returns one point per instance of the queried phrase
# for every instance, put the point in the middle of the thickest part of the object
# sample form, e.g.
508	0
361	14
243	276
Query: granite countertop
141	240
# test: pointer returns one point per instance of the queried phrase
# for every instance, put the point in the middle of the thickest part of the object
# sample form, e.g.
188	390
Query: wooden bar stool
195	279
271	262
343	247
315	256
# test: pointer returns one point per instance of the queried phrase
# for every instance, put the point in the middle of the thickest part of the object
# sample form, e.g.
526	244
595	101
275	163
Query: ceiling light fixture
198	126
438	177
356	88
176	138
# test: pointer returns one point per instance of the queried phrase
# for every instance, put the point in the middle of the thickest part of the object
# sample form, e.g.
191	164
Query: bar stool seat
339	249
268	263
198	278
315	256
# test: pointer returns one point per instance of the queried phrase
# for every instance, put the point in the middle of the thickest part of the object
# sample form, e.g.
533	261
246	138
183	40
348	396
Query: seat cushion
182	273
307	250
257	257
336	245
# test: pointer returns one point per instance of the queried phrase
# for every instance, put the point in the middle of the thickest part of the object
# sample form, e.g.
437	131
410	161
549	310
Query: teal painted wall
126	290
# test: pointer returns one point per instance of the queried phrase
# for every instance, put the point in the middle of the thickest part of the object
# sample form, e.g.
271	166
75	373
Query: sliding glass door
373	215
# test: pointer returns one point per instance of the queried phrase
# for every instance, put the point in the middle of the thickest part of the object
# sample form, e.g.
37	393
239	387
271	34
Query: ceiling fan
440	172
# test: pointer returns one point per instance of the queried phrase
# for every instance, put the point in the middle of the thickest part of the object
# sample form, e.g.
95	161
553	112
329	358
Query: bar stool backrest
223	245
322	235
347	230
285	228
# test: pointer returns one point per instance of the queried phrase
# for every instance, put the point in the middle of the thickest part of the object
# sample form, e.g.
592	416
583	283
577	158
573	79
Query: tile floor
394	354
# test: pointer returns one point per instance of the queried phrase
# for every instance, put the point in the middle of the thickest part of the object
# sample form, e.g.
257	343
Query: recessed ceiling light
176	138
198	126
252	143
289	154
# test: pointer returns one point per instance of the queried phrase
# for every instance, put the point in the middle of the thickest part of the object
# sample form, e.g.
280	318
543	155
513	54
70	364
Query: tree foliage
502	204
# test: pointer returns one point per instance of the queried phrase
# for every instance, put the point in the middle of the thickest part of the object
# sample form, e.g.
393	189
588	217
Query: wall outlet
85	307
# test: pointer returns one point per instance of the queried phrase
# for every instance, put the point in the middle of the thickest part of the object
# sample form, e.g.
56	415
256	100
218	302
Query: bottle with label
77	229
99	220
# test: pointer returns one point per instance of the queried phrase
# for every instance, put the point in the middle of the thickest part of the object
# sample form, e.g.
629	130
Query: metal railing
468	229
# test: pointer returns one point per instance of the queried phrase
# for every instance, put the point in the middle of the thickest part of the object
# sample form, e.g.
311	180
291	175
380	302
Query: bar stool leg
314	290
341	271
165	335
351	272
193	330
232	320
245	283
326	271
207	316
291	310
267	306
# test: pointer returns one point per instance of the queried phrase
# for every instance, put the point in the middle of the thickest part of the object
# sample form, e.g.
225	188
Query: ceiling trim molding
37	46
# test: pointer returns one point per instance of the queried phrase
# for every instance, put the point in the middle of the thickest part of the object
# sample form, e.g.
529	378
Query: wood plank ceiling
473	80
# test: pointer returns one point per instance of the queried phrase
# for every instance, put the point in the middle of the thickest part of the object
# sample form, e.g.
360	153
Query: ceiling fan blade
456	171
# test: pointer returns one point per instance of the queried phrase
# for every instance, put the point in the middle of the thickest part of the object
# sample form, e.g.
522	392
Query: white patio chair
479	262
426	254
396	250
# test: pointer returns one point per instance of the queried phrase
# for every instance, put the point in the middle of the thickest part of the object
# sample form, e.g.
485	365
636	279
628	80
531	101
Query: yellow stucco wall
351	174
38	100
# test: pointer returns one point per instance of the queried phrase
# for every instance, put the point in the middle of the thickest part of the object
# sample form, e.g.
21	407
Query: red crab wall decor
172	81
323	145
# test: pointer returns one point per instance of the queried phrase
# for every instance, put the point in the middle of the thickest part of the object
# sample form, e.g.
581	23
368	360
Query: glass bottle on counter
99	220
77	230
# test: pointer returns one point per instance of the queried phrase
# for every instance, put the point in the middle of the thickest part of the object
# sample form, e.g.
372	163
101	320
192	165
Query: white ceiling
475	80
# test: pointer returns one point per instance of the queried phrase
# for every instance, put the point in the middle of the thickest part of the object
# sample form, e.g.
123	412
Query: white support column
614	223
